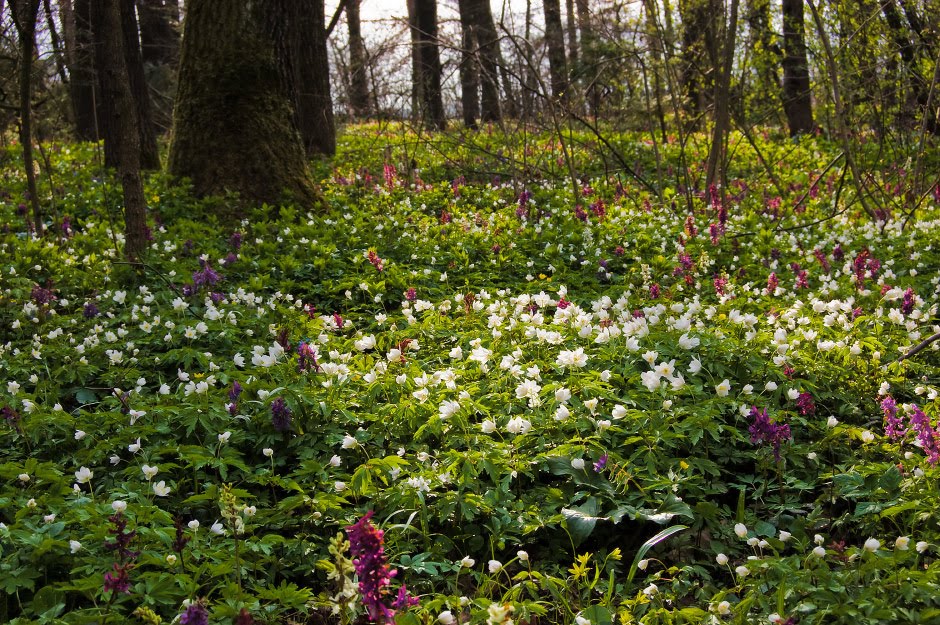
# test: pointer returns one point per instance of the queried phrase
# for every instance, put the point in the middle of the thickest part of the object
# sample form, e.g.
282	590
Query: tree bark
233	125
79	54
159	31
469	78
427	74
149	154
25	13
555	41
116	87
310	67
797	98
490	61
717	152
359	100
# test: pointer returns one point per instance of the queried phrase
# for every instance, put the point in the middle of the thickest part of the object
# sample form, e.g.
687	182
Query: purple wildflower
207	276
195	614
280	415
763	430
772	284
11	416
805	404
654	291
122	538
308	357
372	570
118	581
235	241
411	294
907	304
41	296
894	426
90	311
927	436
235	392
600	464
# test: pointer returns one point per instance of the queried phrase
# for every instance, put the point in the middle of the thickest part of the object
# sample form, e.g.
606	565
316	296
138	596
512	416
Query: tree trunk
765	53
56	43
310	66
233	126
797	100
490	59
159	31
698	54
716	156
25	13
358	72
469	80
79	54
149	154
116	87
572	32
555	41
423	20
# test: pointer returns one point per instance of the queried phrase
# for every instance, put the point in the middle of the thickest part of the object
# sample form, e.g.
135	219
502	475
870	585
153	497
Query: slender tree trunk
572	32
233	125
358	77
313	104
58	52
490	59
149	154
115	86
716	155
697	62
469	81
797	98
555	41
25	13
79	54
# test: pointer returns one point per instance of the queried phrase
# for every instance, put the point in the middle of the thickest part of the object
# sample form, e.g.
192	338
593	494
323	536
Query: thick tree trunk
115	87
25	13
555	41
310	66
233	126
469	78
359	99
797	99
572	32
423	14
79	54
149	154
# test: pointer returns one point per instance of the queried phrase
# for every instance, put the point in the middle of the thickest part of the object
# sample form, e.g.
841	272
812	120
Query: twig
918	348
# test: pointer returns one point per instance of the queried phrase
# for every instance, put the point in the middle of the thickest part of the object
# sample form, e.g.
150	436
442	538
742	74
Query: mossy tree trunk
233	124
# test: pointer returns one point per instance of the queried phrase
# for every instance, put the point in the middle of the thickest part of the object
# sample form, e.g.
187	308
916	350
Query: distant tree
426	57
133	59
115	85
359	99
159	31
24	14
555	42
310	80
80	60
467	69
797	97
233	124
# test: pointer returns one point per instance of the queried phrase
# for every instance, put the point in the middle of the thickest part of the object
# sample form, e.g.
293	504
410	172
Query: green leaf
581	520
649	544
